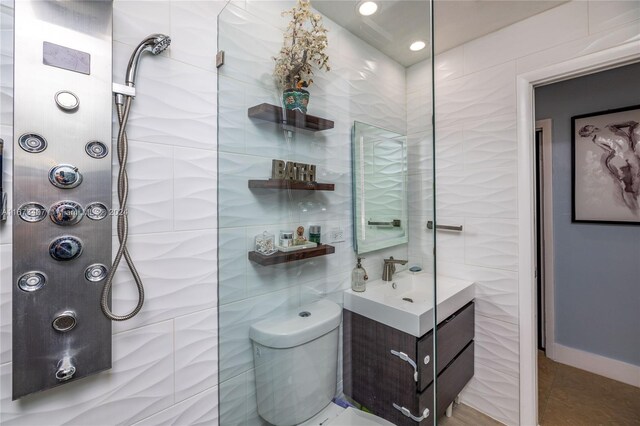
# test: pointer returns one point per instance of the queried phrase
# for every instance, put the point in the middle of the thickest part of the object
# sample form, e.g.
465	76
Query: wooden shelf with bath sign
297	119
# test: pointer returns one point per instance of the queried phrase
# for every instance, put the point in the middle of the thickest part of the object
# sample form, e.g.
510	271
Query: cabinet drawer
454	334
450	383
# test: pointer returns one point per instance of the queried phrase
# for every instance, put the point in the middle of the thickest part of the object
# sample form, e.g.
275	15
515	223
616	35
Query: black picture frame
610	184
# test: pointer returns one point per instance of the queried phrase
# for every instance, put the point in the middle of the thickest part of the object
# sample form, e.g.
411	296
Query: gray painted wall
597	267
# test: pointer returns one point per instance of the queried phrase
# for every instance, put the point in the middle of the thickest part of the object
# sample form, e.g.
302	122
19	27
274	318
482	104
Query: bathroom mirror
379	188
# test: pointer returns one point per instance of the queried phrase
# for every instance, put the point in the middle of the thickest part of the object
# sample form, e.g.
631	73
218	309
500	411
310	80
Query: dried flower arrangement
305	42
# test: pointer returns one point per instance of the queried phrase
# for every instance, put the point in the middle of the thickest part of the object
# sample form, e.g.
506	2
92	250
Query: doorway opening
586	332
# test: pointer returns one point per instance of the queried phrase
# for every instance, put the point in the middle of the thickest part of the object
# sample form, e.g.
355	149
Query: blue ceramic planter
296	100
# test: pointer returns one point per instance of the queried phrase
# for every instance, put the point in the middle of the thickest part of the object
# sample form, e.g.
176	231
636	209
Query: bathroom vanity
385	335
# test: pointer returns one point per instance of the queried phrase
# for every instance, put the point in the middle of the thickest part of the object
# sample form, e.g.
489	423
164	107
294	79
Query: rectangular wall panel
62	171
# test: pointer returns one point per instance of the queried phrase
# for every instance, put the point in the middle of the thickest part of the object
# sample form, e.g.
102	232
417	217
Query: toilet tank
296	362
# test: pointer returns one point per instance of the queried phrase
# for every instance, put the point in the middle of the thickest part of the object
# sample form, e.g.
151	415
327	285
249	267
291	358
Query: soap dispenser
359	277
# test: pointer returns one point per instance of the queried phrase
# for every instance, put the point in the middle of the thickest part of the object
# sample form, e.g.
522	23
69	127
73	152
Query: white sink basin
384	303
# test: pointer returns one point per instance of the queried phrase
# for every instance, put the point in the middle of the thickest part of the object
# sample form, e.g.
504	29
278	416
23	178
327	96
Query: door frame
609	58
548	279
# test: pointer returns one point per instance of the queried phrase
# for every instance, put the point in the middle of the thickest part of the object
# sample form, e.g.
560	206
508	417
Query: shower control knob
66	100
66	213
65	248
65	176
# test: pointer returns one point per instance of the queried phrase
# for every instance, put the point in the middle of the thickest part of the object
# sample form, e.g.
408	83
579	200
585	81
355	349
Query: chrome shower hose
123	109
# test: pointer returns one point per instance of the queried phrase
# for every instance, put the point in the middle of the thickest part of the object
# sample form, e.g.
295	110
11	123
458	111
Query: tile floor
463	415
568	396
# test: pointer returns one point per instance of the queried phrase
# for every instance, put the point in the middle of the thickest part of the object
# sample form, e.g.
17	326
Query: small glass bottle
359	277
315	233
286	238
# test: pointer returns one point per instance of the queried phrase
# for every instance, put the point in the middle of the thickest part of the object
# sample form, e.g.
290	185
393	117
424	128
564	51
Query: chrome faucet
390	268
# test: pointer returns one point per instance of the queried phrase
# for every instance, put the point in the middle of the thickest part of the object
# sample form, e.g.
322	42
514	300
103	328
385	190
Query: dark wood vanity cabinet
376	378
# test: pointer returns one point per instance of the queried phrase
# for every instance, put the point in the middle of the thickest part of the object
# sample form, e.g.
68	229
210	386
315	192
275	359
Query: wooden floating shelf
297	119
281	257
291	184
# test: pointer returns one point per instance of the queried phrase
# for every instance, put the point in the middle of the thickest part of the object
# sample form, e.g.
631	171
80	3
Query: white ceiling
398	23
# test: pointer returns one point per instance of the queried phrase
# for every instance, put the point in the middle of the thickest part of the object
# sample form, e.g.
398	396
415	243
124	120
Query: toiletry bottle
359	277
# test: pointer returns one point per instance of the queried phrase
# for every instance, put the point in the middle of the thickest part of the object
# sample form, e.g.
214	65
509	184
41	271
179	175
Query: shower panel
62	191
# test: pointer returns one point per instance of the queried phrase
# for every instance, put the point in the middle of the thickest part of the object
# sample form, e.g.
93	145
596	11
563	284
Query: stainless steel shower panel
62	95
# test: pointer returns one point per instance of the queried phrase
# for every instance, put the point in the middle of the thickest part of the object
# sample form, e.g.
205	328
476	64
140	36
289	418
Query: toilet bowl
296	368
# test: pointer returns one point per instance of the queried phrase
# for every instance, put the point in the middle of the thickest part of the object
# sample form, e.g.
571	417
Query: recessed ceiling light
417	45
367	8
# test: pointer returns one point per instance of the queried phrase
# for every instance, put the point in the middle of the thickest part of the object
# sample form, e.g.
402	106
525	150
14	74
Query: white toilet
296	365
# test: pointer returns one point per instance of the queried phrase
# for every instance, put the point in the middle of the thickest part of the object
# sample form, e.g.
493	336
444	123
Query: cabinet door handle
427	359
405	411
405	357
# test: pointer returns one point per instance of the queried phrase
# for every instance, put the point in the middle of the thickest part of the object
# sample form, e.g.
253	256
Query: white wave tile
195	191
201	409
231	115
6	289
605	15
175	102
449	65
134	20
247	57
179	273
452	197
150	173
232	401
496	289
6	67
236	353
492	243
251	403
493	393
420	152
491	192
497	345
491	143
612	37
542	31
196	352
239	206
488	93
139	385
449	147
232	257
449	244
195	43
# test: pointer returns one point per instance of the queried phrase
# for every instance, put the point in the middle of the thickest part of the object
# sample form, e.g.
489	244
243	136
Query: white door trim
609	58
547	219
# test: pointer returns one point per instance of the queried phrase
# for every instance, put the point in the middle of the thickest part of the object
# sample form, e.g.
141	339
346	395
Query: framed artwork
606	166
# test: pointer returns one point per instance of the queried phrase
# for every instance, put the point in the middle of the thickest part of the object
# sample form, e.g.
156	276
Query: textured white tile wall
476	155
165	359
362	85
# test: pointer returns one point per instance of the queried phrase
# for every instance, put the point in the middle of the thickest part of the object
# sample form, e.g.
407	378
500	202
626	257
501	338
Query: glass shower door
296	343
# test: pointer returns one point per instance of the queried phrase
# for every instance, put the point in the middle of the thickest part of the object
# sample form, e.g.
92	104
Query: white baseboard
597	364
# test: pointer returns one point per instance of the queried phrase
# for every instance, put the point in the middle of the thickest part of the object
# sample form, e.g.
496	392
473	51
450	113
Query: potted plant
305	42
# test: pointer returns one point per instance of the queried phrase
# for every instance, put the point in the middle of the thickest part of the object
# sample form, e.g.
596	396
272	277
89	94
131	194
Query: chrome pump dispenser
359	277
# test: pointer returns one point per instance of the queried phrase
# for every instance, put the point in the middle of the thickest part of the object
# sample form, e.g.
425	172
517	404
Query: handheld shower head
162	41
155	43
